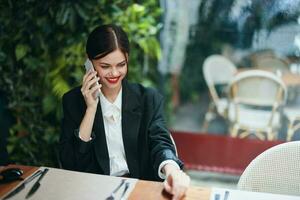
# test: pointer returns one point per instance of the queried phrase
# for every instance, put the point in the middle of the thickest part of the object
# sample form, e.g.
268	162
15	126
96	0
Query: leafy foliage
42	50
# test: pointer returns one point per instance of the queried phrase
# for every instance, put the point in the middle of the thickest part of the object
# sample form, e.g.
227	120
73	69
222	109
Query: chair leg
209	115
261	136
292	129
270	135
296	127
234	130
290	132
205	123
244	134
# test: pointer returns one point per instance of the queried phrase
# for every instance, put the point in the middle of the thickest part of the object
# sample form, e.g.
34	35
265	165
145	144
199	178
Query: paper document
228	194
69	185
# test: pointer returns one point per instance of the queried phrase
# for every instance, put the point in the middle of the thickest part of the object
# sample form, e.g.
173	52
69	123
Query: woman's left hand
177	182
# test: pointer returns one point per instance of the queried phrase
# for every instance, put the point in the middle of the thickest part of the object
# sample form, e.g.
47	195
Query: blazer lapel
100	142
131	117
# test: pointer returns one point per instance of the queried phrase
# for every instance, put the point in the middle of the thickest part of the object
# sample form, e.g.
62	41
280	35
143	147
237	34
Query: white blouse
112	118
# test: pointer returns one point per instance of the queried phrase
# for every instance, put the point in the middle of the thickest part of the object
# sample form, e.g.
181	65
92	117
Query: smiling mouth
113	80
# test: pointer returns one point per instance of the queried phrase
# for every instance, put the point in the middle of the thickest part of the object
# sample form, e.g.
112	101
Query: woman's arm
163	149
88	90
75	154
76	139
160	143
85	129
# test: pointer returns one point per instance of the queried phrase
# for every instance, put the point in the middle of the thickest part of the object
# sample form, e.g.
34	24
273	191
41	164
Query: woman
123	132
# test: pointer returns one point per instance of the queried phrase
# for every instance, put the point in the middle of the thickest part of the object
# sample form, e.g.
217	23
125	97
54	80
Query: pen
226	195
37	184
22	186
217	197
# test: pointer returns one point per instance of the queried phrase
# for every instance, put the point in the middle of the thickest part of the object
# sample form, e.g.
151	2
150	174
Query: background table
289	78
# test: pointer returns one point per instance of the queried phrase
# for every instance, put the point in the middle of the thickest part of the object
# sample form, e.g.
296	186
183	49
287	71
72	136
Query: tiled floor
189	117
211	179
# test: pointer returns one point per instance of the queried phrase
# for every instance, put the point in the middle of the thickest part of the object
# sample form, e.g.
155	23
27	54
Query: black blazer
146	139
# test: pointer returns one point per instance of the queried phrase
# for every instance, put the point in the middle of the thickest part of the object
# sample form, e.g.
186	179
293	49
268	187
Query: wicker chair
276	170
217	70
256	98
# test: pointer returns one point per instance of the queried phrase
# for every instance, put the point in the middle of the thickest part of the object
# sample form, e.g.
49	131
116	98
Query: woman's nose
114	72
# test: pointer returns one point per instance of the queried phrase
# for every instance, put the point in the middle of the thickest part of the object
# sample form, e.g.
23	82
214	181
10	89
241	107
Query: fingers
94	89
177	184
90	84
168	184
89	88
179	193
88	77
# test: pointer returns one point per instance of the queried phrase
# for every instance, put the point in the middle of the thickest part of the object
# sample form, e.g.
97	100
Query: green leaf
81	12
49	103
21	51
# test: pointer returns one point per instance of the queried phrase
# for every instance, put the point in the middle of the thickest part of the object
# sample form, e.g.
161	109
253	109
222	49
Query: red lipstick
113	80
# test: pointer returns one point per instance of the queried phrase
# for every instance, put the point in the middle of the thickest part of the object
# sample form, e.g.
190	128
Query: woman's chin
110	86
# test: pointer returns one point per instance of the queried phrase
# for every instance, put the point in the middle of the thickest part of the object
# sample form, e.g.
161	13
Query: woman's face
111	70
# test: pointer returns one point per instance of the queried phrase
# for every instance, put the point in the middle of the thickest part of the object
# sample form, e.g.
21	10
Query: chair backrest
276	170
257	88
217	69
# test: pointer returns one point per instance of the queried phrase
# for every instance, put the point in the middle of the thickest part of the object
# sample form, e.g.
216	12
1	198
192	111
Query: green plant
42	50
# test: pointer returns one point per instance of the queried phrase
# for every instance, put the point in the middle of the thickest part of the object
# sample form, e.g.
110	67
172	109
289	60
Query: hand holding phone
89	67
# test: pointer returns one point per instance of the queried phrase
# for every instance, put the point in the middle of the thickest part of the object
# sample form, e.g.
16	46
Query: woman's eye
121	64
104	66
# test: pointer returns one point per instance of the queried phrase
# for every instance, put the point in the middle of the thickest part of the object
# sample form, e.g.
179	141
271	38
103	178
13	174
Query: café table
290	79
64	184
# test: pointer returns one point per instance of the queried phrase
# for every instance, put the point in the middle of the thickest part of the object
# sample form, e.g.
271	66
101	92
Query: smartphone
88	65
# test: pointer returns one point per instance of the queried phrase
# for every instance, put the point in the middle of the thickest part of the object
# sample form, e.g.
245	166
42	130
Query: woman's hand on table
177	181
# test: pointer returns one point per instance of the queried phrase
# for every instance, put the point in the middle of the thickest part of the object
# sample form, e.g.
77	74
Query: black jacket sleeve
161	146
75	154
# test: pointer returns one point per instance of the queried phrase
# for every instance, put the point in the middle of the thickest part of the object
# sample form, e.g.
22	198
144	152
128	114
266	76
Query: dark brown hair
105	39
